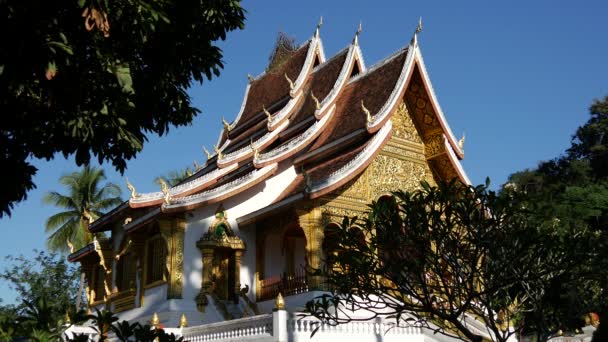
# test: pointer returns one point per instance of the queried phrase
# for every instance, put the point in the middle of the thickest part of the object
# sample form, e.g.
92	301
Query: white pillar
279	325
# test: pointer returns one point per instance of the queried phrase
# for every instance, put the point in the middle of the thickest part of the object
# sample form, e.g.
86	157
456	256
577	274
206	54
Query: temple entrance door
224	273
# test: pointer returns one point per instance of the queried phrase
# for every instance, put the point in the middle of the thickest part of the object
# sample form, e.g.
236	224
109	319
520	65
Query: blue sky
516	76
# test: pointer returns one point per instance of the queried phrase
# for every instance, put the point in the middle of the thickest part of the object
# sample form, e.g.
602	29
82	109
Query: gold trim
155	284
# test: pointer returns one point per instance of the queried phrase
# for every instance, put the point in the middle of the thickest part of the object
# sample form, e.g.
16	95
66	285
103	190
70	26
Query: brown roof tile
273	86
374	88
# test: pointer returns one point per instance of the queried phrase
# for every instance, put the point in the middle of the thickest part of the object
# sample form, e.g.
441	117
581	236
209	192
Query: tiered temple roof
326	118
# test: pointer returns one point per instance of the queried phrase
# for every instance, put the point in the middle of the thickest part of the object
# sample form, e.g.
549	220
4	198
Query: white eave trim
353	53
278	117
198	183
456	162
359	160
443	122
296	144
386	109
222	191
246	151
307	67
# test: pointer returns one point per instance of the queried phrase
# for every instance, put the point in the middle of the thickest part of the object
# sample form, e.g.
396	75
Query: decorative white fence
257	328
281	326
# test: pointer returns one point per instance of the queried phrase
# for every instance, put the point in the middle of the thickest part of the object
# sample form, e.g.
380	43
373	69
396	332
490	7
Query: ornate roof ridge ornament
461	141
256	152
196	166
70	246
207	153
314	98
359	30
164	188
414	41
227	126
291	85
318	27
131	188
268	115
368	115
218	152
250	78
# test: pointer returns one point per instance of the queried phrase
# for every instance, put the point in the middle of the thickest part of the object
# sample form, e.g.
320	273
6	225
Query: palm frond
60	218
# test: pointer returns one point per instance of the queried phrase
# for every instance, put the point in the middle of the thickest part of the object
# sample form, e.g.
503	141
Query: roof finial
268	115
367	113
70	246
291	86
256	153
319	27
461	141
314	98
226	124
414	40
196	166
250	78
207	153
219	153
359	29
165	189
131	188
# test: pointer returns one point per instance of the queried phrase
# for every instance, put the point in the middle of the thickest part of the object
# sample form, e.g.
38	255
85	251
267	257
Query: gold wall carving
403	125
435	145
173	233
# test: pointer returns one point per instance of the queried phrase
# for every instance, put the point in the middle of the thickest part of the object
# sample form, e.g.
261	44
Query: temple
315	139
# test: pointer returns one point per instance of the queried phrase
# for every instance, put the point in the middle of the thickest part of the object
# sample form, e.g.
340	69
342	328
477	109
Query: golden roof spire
268	115
131	188
70	246
219	153
207	153
165	189
226	124
291	85
461	141
256	153
367	113
196	166
414	40
359	30
314	98
319	27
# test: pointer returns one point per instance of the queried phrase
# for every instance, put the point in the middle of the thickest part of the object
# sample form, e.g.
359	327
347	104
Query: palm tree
175	177
86	201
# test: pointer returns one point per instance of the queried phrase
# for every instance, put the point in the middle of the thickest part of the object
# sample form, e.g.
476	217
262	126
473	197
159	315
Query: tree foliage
46	286
438	257
572	190
87	199
93	77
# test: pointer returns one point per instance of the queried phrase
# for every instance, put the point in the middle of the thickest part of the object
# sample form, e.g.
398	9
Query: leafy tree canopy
93	77
46	286
572	192
439	257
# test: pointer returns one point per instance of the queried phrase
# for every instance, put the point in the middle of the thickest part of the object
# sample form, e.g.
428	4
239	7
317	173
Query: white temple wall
199	220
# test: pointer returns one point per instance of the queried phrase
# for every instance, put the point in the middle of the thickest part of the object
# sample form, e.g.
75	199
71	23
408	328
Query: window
125	272
156	259
98	283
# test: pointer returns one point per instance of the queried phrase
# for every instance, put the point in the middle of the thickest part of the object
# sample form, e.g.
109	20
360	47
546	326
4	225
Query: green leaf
61	46
123	75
